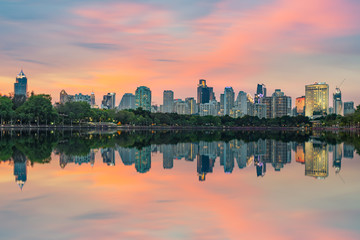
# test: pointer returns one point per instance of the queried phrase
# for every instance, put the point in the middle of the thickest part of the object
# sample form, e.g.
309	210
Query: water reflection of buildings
108	155
143	160
20	168
77	159
316	159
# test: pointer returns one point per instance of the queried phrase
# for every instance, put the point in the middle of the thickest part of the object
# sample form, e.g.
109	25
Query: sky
115	46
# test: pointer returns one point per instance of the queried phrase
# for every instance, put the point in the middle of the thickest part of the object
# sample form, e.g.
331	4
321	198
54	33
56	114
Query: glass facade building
316	99
143	98
20	86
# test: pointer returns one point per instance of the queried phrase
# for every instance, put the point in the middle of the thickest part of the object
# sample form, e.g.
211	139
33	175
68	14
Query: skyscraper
143	98
127	101
204	93
337	103
281	104
20	86
349	108
92	99
260	92
168	101
300	105
229	98
316	99
108	101
192	107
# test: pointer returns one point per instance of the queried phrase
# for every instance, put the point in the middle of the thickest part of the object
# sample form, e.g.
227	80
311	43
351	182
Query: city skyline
209	96
170	45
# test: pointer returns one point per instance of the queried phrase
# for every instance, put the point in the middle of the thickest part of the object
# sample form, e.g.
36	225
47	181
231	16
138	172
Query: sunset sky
115	46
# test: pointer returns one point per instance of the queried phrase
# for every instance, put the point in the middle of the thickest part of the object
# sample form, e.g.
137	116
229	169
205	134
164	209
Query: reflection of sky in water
103	195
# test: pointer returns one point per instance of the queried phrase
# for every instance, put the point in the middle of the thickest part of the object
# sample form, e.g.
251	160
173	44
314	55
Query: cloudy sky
115	46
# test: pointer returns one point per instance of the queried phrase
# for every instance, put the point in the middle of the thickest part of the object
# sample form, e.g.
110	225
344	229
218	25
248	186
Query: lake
179	185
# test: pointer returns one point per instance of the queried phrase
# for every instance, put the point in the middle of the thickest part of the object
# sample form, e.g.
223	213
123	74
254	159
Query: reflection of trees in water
37	146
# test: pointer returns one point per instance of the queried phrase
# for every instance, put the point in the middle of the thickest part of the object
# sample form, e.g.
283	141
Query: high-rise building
168	101
260	110
127	101
92	99
143	98
204	93
108	101
208	109
316	99
300	106
337	103
281	104
349	108
229	99
241	104
278	105
268	101
260	92
20	86
180	107
192	107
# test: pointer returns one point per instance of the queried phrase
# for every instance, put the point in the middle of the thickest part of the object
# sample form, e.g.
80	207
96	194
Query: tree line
38	110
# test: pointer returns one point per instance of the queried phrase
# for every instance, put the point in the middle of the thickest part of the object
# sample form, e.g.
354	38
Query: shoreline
127	127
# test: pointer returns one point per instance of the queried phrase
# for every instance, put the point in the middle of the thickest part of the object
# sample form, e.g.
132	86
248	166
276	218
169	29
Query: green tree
6	111
38	108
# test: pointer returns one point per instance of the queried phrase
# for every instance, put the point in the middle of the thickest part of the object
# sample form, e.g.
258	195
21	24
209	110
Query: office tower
268	102
229	99
127	101
180	107
337	103
168	101
261	89
300	106
316	99
260	92
204	93
241	104
260	110
192	107
92	99
143	98
348	108
20	86
108	101
281	104
208	109
222	102
316	160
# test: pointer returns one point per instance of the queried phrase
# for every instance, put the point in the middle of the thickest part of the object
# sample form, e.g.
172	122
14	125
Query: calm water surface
205	185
